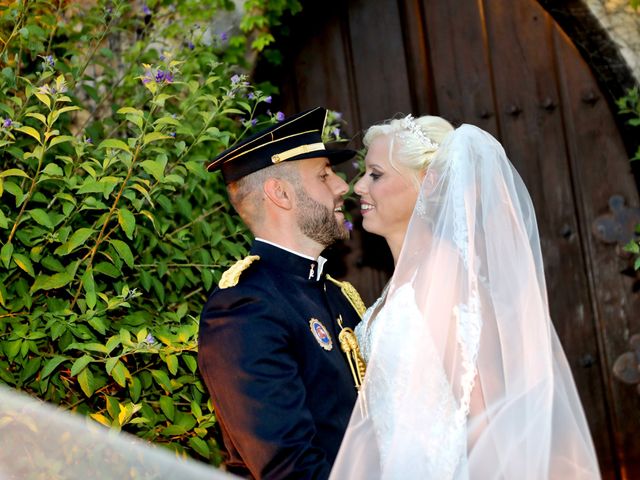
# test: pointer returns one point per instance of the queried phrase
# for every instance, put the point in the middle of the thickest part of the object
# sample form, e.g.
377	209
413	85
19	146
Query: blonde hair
413	142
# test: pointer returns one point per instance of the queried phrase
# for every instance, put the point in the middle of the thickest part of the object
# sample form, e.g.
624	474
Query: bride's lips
365	207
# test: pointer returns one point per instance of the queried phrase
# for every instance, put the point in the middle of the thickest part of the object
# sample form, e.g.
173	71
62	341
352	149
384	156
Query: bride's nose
359	188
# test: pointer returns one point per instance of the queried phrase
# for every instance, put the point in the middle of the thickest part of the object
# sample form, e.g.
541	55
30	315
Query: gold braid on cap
352	295
231	276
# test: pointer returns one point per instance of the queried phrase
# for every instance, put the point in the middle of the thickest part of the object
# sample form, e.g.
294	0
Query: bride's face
387	192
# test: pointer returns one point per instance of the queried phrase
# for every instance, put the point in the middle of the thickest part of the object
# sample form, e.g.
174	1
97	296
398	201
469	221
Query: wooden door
506	67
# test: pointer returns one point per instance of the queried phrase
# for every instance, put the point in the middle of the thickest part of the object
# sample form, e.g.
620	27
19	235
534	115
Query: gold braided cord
231	276
349	345
351	293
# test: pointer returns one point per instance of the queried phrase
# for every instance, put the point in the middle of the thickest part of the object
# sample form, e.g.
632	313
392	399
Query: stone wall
622	23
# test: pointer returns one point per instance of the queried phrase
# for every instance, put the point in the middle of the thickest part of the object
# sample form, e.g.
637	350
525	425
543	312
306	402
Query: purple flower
172	134
89	141
162	57
190	45
268	99
145	9
7	123
224	36
355	164
150	339
348	225
49	60
279	116
235	79
338	115
336	132
254	121
164	76
251	96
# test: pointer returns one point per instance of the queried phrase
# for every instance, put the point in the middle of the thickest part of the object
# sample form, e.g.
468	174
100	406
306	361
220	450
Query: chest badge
321	334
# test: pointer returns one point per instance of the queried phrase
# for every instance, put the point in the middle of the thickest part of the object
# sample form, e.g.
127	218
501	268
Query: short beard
317	221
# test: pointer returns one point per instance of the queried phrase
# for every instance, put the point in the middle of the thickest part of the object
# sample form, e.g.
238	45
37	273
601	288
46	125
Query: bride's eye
375	176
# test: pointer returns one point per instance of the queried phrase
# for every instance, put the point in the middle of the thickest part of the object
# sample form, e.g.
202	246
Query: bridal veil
483	389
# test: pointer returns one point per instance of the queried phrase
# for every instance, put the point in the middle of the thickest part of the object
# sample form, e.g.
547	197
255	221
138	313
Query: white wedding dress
438	450
466	377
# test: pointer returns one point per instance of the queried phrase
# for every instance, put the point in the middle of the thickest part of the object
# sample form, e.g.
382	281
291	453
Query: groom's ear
278	192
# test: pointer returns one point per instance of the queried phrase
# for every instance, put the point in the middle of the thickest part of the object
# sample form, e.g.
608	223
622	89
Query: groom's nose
338	186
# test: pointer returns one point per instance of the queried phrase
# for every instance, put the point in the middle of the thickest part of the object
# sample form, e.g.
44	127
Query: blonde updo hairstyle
407	147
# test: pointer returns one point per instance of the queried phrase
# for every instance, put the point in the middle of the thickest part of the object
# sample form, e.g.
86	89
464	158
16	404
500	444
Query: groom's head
281	180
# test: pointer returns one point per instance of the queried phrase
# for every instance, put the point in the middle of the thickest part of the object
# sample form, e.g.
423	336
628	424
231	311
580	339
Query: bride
466	377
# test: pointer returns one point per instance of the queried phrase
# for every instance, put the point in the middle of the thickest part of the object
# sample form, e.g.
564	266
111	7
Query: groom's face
319	201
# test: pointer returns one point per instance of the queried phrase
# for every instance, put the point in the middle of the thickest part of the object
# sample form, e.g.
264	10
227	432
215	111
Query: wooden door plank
379	63
460	63
600	168
531	124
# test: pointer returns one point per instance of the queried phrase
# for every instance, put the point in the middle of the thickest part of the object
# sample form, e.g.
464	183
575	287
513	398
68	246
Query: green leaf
44	99
13	172
51	365
167	407
30	369
154	137
172	364
31	132
45	282
38	116
135	389
130	110
127	221
190	362
41	217
4	222
80	364
86	381
110	363
89	286
60	139
99	325
200	446
162	379
124	251
114	143
77	239
120	373
173	430
154	168
5	254
24	263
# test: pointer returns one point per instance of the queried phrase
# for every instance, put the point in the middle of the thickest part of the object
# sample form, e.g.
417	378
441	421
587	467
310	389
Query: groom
269	352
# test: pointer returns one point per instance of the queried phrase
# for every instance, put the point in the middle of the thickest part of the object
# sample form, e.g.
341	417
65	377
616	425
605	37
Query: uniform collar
284	258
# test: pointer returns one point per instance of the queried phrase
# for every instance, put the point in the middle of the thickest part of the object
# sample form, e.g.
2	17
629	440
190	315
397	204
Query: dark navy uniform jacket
282	400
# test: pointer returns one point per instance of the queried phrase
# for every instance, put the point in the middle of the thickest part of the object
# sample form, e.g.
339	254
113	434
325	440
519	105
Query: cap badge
321	334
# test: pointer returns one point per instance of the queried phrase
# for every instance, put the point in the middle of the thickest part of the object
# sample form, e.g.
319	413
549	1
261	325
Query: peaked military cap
296	138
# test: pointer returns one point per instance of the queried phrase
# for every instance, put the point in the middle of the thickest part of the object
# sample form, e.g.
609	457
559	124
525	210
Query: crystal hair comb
410	124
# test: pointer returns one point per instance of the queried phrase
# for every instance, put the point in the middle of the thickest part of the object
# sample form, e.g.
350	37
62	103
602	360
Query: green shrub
111	230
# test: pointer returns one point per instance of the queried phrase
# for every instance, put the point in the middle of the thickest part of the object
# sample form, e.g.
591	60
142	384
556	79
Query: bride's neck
395	242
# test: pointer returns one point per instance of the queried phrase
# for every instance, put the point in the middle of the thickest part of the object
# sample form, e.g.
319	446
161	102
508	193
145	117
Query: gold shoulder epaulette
231	276
352	295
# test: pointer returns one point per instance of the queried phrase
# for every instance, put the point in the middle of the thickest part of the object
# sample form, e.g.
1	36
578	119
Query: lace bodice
426	442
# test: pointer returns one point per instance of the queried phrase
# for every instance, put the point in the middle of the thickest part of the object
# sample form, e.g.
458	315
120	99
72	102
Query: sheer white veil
40	441
483	389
